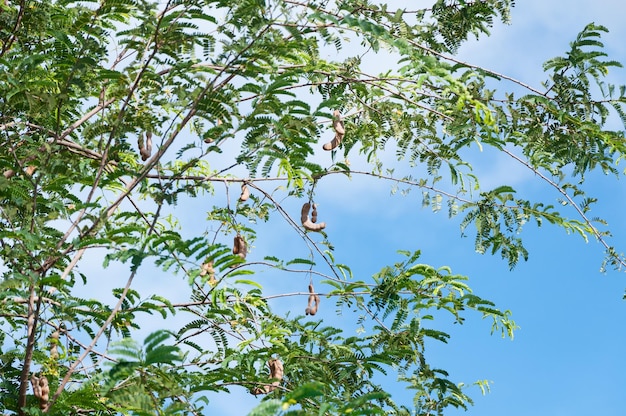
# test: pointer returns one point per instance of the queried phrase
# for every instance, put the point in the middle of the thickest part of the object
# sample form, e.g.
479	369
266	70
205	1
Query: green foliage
242	93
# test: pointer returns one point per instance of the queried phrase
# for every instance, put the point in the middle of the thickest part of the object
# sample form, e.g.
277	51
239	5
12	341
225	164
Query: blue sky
568	356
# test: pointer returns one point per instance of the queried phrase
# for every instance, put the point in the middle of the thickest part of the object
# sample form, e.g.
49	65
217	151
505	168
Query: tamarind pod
30	169
239	246
313	305
276	372
148	150
317	300
236	244
243	248
40	389
334	142
141	144
9	173
310	226
34	382
306	222
145	148
340	131
314	214
313	301
338	124
45	392
304	213
245	193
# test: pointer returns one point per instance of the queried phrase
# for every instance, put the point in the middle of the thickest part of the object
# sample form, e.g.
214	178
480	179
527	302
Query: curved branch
610	250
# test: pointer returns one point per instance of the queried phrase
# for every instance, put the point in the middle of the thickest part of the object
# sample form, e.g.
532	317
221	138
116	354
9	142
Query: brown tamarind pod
317	300
314	214
306	222
146	151
276	373
236	245
239	246
148	145
304	212
9	173
333	143
45	392
30	169
243	248
338	125
145	148
34	382
310	226
41	390
141	144
245	193
340	131
313	302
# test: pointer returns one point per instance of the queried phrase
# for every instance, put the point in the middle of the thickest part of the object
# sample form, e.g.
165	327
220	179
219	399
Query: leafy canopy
115	115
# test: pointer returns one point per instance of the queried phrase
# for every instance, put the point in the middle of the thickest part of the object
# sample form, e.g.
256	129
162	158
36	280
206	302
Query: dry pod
40	390
340	131
276	372
9	173
145	149
30	170
245	193
306	222
239	246
314	214
314	302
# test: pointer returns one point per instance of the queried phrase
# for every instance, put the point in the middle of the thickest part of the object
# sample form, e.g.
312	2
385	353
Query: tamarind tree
144	139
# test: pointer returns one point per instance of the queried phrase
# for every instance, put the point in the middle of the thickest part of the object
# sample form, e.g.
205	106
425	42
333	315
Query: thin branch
34	306
13	37
103	327
574	205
